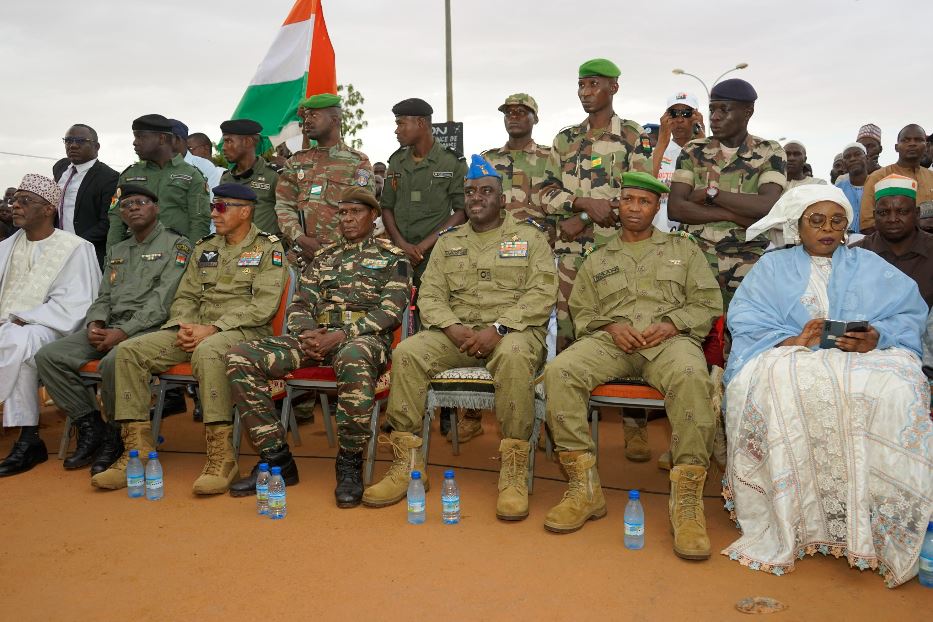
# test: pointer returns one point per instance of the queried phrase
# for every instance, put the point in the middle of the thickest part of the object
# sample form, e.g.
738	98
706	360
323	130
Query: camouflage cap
599	67
520	99
322	100
358	194
644	181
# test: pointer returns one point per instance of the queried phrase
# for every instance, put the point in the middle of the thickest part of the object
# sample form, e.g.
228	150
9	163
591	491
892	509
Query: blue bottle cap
263	466
416	474
449	474
134	453
930	526
633	495
153	454
276	470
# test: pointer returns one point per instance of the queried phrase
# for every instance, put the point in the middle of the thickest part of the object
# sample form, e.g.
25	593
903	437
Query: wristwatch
584	217
711	193
502	329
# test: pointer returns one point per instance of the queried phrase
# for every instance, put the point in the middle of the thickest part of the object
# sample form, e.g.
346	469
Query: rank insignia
374	264
180	176
455	252
116	261
276	258
208	259
675	262
513	248
301	174
151	256
250	258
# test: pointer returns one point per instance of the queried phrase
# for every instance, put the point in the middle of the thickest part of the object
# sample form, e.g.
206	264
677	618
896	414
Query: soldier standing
241	138
229	293
139	283
348	303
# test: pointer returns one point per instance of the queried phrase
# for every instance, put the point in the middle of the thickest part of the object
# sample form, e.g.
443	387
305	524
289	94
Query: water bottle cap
263	466
153	454
276	470
449	474
930	526
134	453
416	474
634	495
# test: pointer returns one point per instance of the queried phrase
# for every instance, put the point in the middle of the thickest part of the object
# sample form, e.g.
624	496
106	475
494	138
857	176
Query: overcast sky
821	68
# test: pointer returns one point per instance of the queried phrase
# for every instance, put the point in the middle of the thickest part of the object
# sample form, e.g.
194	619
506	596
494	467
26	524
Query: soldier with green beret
641	305
140	277
247	168
485	298
349	302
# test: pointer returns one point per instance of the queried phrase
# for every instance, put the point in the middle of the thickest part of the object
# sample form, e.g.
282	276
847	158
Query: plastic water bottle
415	499
634	522
926	559
276	494
450	500
135	476
262	489
154	487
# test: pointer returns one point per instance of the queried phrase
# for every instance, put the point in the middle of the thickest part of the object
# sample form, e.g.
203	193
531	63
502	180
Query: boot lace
578	485
688	498
511	467
404	460
215	453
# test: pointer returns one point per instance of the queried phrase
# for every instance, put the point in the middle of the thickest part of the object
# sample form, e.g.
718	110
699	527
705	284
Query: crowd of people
614	253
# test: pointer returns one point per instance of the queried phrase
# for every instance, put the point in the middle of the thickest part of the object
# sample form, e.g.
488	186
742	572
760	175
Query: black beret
733	89
240	127
131	189
413	107
235	191
358	194
152	123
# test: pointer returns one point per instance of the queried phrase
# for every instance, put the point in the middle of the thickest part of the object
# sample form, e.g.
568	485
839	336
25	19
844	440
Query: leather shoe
281	458
24	456
349	471
90	429
111	449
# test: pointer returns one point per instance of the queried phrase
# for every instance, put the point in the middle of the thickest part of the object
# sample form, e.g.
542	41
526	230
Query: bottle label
415	507
276	500
134	480
153	484
450	505
262	491
926	564
634	529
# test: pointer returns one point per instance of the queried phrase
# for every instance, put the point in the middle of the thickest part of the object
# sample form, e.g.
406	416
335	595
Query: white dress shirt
71	193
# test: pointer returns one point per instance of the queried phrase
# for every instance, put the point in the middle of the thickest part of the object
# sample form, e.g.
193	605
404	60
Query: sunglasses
686	114
837	223
221	207
71	140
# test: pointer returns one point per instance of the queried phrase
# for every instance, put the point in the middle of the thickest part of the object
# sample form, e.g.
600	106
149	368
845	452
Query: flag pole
450	82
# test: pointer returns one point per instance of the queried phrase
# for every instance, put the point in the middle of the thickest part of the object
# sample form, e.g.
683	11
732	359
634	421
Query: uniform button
638	316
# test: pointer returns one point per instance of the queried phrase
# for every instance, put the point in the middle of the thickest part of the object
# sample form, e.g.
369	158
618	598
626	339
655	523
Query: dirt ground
73	552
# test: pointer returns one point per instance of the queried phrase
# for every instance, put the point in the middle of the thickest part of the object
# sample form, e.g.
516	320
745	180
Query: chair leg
161	389
532	450
237	425
288	421
66	438
328	422
594	430
371	445
454	432
426	435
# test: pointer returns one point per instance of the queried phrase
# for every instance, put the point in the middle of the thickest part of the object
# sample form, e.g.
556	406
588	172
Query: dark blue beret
413	107
179	129
235	191
152	123
733	89
240	127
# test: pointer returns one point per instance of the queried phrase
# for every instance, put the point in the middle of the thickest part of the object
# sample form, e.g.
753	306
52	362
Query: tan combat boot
221	468
636	443
136	435
469	425
584	497
394	486
688	521
512	503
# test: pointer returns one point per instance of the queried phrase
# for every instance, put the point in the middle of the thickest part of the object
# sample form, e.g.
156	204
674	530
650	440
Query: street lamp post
681	72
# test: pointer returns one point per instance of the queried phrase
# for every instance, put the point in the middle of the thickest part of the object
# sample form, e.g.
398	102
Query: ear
614	86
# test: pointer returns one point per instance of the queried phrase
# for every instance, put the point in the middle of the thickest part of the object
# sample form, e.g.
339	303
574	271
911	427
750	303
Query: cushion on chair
90	367
327	374
631	388
462	387
182	369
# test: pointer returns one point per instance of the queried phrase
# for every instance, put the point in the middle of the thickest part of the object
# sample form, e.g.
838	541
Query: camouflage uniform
313	180
523	171
587	163
757	162
361	288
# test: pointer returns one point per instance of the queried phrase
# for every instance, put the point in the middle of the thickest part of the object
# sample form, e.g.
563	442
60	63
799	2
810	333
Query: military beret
179	129
599	67
480	167
358	194
651	128
240	127
520	99
152	123
644	181
413	107
733	89
235	191
131	189
323	100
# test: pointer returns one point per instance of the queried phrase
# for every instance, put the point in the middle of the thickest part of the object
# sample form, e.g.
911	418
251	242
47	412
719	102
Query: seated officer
141	274
642	305
485	300
229	294
348	304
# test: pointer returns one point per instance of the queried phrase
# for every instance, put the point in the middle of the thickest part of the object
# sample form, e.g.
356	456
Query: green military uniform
138	287
702	164
313	181
236	288
506	275
361	288
522	172
183	198
262	180
587	163
423	194
664	278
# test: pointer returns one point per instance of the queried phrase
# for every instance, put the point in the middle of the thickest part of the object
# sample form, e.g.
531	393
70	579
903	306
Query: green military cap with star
599	67
323	100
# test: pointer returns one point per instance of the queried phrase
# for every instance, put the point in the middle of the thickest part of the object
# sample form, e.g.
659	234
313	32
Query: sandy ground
72	552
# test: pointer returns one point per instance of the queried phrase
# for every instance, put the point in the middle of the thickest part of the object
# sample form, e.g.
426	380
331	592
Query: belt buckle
347	317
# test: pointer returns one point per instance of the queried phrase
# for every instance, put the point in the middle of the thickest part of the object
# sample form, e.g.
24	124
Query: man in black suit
88	185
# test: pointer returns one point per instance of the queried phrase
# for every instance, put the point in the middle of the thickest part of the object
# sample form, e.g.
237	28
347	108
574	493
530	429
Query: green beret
599	67
324	100
358	194
644	181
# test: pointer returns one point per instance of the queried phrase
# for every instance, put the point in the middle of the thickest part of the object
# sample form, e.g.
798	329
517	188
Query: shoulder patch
182	246
685	235
533	223
588	249
205	238
447	230
388	246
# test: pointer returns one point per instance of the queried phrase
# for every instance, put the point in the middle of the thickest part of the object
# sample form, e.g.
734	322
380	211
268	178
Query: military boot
636	443
349	471
688	521
221	468
135	435
394	486
512	504
281	457
111	450
469	426
90	429
665	461
584	497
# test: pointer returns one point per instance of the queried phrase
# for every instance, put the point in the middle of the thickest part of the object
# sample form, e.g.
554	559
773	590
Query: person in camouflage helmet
349	301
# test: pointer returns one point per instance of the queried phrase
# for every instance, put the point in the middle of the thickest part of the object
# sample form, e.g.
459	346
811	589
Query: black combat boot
91	430
111	450
281	458
349	470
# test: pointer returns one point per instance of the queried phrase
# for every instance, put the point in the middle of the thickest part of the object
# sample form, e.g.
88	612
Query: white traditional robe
52	297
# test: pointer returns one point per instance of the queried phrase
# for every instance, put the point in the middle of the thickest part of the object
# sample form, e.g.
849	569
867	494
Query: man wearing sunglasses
229	294
680	123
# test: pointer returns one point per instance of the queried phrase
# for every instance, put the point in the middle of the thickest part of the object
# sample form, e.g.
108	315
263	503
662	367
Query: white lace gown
829	452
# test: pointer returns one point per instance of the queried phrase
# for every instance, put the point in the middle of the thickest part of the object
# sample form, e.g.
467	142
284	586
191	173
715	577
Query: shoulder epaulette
205	238
388	245
272	237
534	223
685	235
175	231
447	230
397	151
325	248
459	156
588	249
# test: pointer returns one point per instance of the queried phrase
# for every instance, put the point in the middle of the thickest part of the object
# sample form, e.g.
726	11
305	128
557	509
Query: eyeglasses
838	223
222	206
72	140
686	114
133	202
516	111
23	199
903	212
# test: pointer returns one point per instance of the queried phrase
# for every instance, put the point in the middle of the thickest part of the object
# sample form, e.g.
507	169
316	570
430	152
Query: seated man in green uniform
229	293
349	302
642	305
139	283
485	299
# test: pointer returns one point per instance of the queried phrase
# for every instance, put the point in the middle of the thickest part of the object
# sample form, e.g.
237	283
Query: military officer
642	305
314	179
240	140
349	302
229	294
181	188
139	283
486	298
724	183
